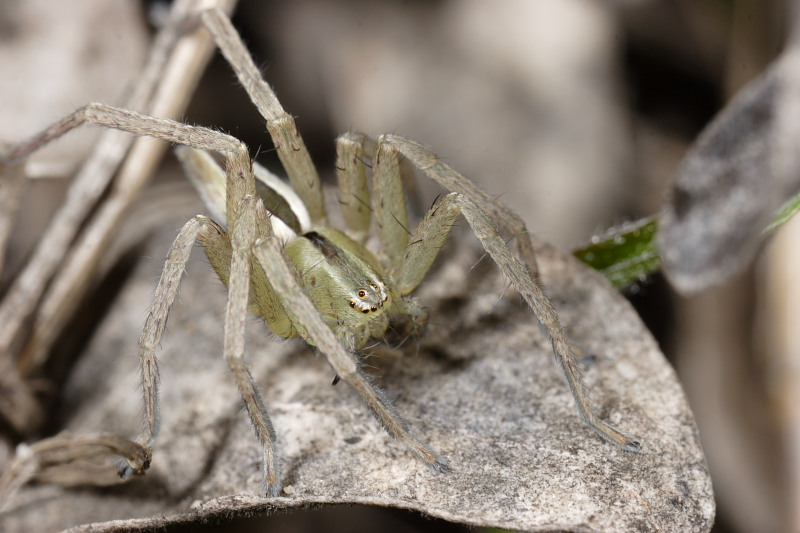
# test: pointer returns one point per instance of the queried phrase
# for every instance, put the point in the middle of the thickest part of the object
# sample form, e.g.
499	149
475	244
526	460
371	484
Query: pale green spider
270	244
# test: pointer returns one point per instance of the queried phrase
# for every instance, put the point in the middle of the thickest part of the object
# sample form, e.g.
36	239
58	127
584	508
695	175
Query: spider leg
351	174
244	223
243	236
425	244
103	115
154	325
146	126
344	363
355	153
202	229
281	125
237	253
389	203
450	180
478	209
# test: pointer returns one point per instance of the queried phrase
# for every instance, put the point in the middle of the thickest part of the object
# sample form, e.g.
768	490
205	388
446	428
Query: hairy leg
343	362
243	235
242	219
435	169
281	125
428	238
351	174
153	331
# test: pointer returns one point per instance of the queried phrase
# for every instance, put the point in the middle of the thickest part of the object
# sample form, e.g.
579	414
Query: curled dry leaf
729	187
480	386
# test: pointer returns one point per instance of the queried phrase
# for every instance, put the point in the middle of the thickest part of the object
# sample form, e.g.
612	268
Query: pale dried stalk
175	71
781	307
18	405
178	81
781	281
11	187
89	183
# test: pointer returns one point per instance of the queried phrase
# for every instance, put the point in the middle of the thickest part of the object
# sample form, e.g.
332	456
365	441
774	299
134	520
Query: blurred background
574	112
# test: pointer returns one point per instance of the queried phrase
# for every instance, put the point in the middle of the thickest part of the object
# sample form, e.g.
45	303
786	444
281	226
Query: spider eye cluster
370	299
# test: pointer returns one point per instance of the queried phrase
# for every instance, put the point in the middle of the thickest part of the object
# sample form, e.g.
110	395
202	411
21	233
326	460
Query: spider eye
373	286
362	293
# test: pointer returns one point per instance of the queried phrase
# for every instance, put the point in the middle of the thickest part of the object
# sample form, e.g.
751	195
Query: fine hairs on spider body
270	245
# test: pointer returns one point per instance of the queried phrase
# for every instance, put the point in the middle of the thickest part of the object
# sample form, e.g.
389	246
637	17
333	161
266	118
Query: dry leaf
728	187
481	387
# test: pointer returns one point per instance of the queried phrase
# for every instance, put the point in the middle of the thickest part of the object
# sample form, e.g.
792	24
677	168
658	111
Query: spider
271	246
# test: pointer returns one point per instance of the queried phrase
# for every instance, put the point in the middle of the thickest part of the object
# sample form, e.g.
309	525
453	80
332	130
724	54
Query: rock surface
481	387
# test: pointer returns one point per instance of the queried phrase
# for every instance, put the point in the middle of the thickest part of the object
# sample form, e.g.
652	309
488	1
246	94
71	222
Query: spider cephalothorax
271	245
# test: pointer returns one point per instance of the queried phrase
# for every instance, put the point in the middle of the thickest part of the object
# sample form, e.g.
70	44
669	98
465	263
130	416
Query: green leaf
625	254
784	214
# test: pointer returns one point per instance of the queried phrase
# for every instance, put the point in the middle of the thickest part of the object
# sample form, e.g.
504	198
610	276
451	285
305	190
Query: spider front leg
236	253
244	224
305	180
337	350
155	323
427	240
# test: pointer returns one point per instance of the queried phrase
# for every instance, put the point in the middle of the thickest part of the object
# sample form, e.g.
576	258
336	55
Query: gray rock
481	387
